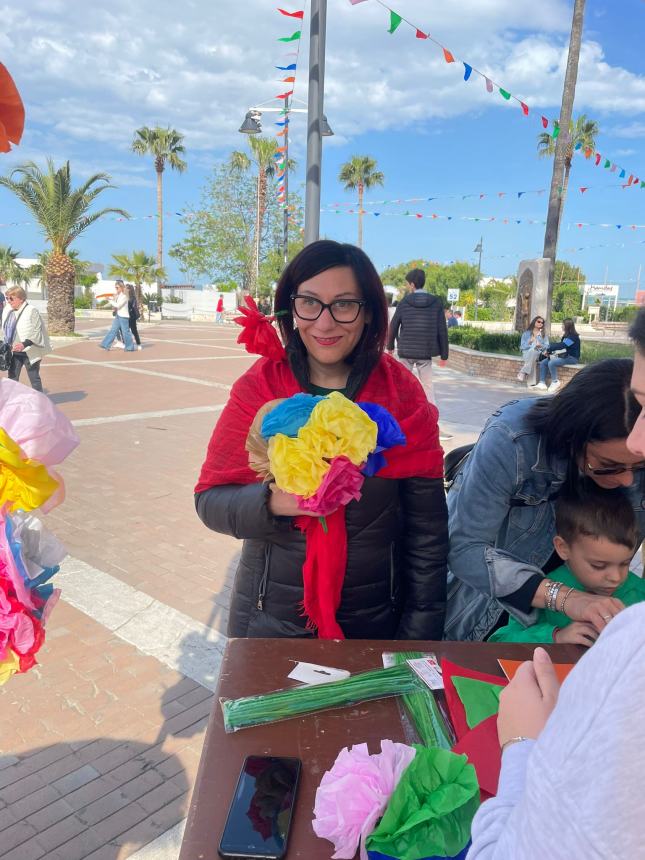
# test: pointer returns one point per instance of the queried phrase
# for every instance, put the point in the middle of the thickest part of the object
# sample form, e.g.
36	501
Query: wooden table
253	666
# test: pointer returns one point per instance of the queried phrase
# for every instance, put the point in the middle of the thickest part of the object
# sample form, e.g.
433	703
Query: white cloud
96	72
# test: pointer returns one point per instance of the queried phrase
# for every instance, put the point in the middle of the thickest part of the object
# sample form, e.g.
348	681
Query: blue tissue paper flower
389	432
374	463
289	416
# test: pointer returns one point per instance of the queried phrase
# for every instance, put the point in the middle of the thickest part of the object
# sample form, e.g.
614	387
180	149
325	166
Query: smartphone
259	818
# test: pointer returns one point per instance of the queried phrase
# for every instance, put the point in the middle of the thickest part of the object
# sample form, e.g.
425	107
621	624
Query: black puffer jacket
395	583
419	325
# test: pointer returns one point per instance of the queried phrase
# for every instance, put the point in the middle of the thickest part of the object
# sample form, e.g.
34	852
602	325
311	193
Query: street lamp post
314	118
478	247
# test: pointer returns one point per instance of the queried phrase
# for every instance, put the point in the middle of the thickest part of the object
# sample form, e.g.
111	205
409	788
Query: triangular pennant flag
489	85
286	121
504	94
501	193
287	80
525	108
556	130
300	15
285	95
468	70
281	133
545	122
281	149
598	157
376	214
395	20
588	152
607	163
289	68
481	196
642	184
621	175
519	194
613	168
448	57
294	37
421	35
583	189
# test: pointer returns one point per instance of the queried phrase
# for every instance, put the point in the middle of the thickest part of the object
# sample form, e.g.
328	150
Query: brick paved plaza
100	743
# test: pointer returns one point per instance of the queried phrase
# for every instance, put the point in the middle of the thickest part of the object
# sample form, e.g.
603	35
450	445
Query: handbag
6	354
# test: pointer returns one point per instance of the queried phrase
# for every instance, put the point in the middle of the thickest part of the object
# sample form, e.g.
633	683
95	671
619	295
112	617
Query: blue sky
90	74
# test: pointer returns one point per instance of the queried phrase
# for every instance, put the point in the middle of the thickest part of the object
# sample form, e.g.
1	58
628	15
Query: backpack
452	463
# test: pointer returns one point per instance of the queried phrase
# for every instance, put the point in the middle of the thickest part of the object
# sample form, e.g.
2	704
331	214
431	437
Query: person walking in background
419	327
121	321
219	313
134	314
451	319
566	351
534	343
25	332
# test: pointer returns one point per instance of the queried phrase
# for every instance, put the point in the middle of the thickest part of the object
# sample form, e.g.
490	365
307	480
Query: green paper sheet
479	698
431	810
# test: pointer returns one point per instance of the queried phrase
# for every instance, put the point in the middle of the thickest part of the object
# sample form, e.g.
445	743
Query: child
596	537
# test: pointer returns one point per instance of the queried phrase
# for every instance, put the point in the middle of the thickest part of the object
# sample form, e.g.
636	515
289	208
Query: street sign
453	296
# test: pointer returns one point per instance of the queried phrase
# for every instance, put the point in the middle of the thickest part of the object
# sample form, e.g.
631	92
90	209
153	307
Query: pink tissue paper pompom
341	485
353	795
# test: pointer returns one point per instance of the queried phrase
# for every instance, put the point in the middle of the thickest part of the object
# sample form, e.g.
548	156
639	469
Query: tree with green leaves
166	147
39	269
63	214
136	268
221	232
582	135
10	268
360	173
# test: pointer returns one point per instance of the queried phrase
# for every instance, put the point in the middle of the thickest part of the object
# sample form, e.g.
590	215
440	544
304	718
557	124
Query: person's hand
577	633
17	347
283	504
526	703
443	362
592	608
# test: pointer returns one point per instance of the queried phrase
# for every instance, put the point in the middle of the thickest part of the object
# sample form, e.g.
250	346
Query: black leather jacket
395	582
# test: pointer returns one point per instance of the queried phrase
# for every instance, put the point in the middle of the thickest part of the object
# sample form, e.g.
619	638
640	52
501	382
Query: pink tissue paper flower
341	485
353	795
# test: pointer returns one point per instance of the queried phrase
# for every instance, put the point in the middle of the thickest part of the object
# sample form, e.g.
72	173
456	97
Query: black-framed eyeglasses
614	470
342	310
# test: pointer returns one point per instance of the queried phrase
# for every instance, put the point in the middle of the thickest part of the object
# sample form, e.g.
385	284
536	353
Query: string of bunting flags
290	70
469	69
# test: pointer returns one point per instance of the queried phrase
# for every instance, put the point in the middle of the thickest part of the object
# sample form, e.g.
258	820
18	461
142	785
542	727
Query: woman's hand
526	704
17	347
283	504
592	608
577	633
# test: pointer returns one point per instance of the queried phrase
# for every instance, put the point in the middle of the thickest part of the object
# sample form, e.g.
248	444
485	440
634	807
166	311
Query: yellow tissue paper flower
25	484
319	441
296	469
9	666
354	430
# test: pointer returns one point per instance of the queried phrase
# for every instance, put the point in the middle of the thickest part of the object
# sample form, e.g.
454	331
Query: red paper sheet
456	708
481	745
510	667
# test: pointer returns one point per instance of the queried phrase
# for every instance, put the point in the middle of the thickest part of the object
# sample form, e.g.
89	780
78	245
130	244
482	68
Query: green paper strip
395	20
423	709
479	698
293	38
431	810
504	94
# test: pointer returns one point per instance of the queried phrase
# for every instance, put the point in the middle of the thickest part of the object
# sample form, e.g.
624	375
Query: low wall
493	365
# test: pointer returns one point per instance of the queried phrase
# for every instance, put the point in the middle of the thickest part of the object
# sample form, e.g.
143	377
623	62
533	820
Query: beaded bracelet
565	600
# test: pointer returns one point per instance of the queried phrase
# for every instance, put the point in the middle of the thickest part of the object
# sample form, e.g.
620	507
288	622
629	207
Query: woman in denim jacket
533	344
500	505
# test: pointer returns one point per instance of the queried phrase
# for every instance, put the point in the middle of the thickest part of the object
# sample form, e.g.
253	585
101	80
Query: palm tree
263	150
582	135
165	145
10	269
39	269
63	214
138	268
360	172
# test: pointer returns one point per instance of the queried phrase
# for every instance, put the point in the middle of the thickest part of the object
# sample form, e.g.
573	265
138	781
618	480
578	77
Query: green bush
509	344
83	302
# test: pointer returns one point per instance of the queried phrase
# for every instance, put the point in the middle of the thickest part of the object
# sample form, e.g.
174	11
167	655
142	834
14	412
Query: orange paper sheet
510	667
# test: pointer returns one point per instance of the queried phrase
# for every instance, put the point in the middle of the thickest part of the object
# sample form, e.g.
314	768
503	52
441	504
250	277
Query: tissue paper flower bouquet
34	436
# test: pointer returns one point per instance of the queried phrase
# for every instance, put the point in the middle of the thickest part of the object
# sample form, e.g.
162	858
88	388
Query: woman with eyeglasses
501	504
533	344
332	316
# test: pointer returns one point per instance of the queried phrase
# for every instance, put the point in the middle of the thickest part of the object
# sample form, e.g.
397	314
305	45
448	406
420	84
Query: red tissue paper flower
12	112
258	334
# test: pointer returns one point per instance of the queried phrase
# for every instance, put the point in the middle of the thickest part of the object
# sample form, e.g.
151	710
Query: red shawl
227	462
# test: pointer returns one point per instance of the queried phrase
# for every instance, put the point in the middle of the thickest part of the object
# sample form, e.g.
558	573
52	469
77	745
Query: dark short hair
596	406
637	331
319	257
416	277
589	511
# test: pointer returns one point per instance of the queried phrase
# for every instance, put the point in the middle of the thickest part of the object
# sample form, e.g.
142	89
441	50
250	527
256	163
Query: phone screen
258	820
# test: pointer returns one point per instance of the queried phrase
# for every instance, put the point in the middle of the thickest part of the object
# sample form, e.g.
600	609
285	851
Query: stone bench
494	365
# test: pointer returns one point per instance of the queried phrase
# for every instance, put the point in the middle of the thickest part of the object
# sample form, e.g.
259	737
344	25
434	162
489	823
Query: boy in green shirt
596	537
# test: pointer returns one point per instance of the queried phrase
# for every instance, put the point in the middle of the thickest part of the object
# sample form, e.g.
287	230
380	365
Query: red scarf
227	462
